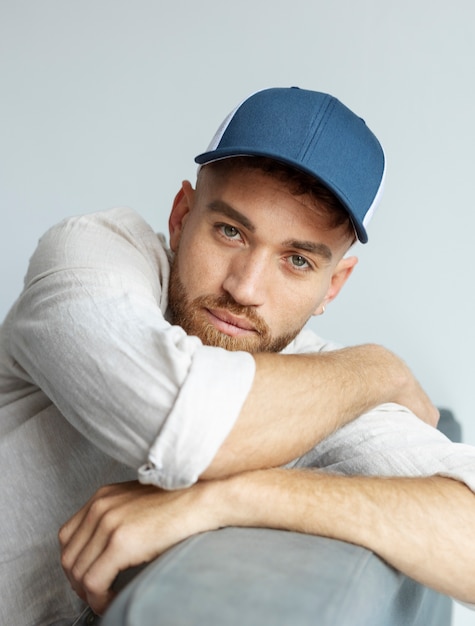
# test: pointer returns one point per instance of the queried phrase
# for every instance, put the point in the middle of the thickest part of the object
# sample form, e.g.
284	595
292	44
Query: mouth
229	324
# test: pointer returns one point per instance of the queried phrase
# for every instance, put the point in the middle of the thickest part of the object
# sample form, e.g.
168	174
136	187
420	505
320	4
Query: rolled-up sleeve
89	331
392	441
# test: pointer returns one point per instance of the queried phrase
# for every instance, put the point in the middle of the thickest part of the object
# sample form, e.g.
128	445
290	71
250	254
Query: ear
182	206
339	277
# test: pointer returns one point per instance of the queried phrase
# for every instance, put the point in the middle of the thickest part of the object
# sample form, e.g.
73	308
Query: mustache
227	302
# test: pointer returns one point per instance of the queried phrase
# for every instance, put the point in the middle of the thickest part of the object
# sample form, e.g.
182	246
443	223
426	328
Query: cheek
200	271
290	310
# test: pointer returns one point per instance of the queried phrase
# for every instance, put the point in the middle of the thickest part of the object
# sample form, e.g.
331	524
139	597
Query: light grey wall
106	102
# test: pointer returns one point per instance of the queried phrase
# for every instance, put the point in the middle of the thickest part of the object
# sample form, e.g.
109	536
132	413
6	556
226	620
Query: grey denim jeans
260	577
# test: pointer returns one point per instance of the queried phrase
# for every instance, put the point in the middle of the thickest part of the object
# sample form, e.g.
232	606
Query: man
99	379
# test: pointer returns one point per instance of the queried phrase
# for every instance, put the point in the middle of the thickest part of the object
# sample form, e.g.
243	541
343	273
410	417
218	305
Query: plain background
106	102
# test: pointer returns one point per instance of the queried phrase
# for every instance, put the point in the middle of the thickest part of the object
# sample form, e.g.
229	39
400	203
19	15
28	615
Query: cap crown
313	132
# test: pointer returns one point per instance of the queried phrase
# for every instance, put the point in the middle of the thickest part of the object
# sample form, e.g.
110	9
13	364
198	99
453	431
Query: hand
383	377
125	525
414	398
406	390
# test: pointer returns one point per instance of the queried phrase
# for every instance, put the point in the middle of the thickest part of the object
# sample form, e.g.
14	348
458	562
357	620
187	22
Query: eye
230	232
299	262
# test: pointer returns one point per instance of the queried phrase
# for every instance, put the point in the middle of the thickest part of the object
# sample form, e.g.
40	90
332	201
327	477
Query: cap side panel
377	198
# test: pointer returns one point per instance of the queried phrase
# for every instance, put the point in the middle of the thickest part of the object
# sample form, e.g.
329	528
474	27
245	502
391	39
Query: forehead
257	191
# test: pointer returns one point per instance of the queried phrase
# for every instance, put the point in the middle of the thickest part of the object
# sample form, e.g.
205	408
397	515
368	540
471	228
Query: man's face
252	261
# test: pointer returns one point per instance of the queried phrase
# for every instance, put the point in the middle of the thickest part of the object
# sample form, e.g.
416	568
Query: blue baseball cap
313	132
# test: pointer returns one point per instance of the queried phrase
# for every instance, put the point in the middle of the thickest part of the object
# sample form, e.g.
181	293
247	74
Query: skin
254	263
245	237
248	238
421	526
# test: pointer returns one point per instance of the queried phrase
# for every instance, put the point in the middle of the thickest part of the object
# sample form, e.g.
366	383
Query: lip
230	324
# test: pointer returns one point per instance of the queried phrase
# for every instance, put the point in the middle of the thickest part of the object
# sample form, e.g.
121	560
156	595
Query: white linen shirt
96	386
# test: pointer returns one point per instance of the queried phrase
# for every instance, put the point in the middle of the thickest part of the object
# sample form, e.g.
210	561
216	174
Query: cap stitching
313	140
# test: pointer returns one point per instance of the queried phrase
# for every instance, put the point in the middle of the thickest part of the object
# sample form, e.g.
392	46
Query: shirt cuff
203	415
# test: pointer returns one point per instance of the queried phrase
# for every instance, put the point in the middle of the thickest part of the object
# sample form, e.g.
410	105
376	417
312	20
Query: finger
78	521
86	543
99	527
97	582
92	549
68	529
101	521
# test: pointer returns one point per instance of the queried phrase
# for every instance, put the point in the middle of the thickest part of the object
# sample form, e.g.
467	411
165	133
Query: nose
247	278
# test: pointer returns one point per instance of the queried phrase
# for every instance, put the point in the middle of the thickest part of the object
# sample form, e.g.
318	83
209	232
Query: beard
191	316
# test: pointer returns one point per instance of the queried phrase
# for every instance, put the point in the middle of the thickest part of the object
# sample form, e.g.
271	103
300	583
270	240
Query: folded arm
421	526
298	400
89	330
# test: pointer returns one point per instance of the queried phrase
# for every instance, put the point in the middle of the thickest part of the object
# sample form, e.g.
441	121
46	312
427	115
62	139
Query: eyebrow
218	206
318	249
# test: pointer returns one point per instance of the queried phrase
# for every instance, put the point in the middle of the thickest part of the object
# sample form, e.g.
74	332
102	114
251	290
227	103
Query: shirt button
91	618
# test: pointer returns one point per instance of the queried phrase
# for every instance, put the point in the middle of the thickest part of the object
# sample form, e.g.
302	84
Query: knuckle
89	583
105	490
102	510
66	561
76	574
109	522
118	539
97	508
62	535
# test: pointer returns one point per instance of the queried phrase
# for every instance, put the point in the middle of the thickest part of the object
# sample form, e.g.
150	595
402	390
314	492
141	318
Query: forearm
298	400
422	527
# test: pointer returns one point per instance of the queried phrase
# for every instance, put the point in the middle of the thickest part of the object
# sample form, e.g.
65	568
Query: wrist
383	375
248	499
